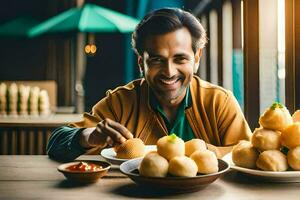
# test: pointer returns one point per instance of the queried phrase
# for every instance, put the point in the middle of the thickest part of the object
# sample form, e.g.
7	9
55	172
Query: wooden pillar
219	9
292	52
251	61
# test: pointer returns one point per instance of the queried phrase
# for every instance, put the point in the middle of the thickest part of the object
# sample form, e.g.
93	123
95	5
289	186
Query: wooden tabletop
36	177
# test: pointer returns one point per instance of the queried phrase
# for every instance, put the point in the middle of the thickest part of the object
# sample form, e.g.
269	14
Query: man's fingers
119	128
105	128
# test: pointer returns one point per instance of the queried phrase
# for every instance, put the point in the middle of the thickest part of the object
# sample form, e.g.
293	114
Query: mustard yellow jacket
214	116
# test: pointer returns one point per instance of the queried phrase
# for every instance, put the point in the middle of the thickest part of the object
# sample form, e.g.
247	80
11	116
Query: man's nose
170	69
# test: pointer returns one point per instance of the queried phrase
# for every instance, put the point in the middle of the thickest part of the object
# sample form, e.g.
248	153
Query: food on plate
276	117
296	116
183	166
206	161
84	167
170	146
265	139
193	145
272	160
290	136
153	165
131	148
245	155
293	158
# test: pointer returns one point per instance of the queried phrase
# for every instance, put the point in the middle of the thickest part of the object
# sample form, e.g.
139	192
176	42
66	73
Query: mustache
175	77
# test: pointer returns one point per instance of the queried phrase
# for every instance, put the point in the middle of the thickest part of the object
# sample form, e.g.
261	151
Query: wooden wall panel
292	59
251	62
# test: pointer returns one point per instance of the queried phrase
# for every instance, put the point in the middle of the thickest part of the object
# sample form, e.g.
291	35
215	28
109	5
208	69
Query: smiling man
168	98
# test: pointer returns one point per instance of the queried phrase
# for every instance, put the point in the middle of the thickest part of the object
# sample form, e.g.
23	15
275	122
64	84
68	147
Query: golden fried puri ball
244	155
293	158
131	148
272	160
193	145
265	139
290	136
183	166
154	165
170	146
206	161
296	116
277	117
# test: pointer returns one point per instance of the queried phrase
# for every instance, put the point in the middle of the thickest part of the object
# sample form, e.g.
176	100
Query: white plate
287	176
109	154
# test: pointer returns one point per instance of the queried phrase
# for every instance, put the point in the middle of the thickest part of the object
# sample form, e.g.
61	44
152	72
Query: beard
167	93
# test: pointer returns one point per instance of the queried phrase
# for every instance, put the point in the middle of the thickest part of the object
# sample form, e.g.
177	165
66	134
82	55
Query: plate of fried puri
273	154
175	166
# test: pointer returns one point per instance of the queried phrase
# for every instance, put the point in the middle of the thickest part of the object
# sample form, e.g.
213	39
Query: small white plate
286	176
109	154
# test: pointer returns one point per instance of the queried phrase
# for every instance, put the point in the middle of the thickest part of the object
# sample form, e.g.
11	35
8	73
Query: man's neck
171	108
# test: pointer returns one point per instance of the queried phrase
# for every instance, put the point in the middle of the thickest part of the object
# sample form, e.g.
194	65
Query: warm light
87	48
90	49
93	48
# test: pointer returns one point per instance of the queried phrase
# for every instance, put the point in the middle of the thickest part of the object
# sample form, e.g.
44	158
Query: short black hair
166	20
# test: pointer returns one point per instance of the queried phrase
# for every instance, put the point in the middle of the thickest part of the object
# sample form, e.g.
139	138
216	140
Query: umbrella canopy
19	27
88	18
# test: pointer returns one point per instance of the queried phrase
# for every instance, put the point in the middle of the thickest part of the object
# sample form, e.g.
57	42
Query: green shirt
180	126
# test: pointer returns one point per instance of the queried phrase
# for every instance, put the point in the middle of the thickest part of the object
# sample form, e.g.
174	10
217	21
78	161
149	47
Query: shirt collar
155	105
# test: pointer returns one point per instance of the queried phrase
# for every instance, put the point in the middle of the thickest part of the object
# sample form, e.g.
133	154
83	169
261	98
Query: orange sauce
84	167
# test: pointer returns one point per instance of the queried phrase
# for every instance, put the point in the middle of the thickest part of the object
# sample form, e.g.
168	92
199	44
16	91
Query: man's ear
141	64
198	55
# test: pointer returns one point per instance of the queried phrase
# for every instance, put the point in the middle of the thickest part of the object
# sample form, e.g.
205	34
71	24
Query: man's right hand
106	131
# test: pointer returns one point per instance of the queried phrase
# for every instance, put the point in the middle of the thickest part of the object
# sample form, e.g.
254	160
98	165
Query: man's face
168	64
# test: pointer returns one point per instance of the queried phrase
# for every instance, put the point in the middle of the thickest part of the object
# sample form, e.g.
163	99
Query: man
168	99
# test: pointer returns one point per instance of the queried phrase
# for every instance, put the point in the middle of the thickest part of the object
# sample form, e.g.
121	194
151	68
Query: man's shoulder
130	88
209	88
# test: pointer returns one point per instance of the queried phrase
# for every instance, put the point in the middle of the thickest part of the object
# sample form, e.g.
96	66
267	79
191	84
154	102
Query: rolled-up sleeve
64	144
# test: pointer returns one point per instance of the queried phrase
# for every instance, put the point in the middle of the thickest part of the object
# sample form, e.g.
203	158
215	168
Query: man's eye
155	60
181	60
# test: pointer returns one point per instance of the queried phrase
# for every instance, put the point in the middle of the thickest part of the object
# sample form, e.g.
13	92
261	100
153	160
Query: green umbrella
88	18
19	27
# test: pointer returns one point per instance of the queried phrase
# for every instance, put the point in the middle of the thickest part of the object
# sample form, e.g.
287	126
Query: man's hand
106	131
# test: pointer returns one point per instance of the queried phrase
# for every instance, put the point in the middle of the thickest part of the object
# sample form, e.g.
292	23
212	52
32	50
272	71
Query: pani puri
153	165
206	161
131	148
290	136
244	154
296	116
293	158
183	166
193	145
272	160
276	117
170	146
265	139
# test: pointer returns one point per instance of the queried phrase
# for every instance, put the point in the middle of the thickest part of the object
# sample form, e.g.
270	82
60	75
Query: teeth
168	82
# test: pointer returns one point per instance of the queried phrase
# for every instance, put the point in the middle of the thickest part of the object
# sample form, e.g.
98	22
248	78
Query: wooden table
36	177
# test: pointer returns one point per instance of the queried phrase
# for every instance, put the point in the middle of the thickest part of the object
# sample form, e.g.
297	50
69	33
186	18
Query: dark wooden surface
292	59
251	62
36	177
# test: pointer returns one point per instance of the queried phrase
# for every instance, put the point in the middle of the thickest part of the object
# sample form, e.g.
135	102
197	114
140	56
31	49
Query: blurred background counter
29	135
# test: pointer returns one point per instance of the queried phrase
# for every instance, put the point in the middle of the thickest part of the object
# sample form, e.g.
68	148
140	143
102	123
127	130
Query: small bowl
84	176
